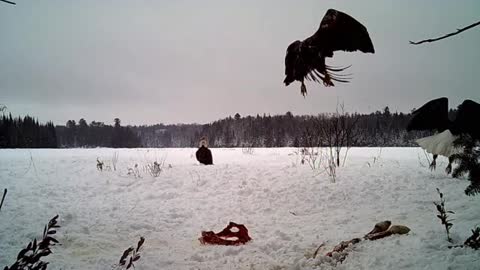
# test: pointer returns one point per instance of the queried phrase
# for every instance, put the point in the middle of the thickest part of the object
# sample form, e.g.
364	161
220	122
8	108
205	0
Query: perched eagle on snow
434	116
306	59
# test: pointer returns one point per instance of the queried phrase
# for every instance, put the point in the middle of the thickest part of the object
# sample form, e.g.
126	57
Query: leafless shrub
311	152
248	149
130	255
324	140
312	156
339	130
99	165
30	257
329	165
154	169
376	158
134	171
443	215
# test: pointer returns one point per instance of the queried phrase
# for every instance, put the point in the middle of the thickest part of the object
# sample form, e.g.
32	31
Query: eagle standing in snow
306	59
434	116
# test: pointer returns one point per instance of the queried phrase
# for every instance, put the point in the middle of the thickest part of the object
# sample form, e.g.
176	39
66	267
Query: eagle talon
448	170
327	81
303	90
433	165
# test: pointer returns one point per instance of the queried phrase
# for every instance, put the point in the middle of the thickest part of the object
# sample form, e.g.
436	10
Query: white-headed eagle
433	116
306	59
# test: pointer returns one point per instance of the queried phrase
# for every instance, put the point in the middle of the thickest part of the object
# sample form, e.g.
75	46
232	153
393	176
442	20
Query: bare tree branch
8	2
447	35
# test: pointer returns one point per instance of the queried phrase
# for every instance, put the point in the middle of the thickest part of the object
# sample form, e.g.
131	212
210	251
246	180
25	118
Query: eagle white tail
440	144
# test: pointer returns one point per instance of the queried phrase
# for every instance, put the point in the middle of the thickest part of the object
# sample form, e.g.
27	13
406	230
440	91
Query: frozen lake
288	208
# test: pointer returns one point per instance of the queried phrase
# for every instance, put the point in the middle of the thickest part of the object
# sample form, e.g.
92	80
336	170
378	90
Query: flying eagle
306	59
434	116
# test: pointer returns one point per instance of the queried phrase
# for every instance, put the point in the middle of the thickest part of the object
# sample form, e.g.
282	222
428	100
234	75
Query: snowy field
288	208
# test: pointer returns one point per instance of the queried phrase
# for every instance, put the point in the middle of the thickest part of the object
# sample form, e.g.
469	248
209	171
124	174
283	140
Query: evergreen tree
468	162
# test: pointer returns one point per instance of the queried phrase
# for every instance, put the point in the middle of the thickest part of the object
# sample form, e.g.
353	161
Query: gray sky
186	61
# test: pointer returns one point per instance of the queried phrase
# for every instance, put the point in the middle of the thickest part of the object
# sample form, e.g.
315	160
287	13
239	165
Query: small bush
474	240
468	162
134	171
131	255
443	215
30	257
154	169
99	165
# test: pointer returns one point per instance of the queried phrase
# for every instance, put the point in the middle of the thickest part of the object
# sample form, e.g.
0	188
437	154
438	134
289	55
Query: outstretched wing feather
433	115
341	32
466	120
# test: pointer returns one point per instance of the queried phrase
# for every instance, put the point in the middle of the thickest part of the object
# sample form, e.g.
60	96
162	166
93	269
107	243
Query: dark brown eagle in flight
306	59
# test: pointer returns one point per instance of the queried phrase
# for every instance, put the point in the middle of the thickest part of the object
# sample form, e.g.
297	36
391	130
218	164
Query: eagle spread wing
466	120
339	31
431	116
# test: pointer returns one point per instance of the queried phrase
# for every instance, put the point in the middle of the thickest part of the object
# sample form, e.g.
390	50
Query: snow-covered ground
288	208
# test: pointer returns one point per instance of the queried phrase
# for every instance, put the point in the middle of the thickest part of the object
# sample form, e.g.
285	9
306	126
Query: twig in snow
131	255
316	251
443	215
3	198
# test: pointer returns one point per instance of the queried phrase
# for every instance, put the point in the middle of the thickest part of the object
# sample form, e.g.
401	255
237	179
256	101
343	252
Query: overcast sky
187	61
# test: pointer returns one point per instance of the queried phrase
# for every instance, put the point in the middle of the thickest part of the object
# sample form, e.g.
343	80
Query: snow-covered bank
288	209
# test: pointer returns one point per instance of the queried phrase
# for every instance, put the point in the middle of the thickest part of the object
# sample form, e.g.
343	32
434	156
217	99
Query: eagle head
291	60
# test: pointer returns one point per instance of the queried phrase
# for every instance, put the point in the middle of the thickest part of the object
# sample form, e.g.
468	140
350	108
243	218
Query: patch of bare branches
311	151
460	30
99	165
135	172
156	168
247	149
30	258
339	131
323	141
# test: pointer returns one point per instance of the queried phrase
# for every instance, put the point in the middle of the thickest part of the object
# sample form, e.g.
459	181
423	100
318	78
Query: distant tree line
26	132
381	128
96	134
